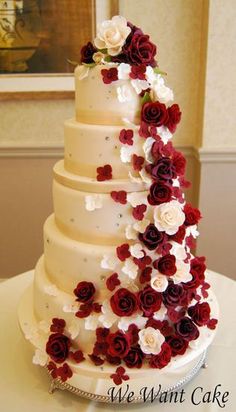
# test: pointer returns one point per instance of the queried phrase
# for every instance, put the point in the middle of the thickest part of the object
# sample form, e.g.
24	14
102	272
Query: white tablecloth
24	386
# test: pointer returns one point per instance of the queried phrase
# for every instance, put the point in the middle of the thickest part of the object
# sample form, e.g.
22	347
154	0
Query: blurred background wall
197	48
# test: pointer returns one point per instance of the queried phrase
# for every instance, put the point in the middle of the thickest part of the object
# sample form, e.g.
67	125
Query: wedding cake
118	298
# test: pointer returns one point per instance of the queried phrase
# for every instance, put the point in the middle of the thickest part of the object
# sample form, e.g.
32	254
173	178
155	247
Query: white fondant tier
105	225
69	262
97	102
88	146
90	184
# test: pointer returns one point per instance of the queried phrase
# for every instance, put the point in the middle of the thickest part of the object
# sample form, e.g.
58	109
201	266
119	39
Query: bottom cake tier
95	383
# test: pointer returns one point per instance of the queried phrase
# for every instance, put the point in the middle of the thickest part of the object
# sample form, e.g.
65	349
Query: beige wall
196	47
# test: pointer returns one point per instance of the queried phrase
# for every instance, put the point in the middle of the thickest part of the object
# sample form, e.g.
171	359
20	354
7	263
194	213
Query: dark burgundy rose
177	344
101	334
118	344
154	113
159	193
166	265
134	358
113	360
178	236
192	215
100	348
139	50
151	237
123	302
84	291
200	313
133	331
174	117
179	163
187	329
162	359
163	169
87	52
174	295
57	347
149	300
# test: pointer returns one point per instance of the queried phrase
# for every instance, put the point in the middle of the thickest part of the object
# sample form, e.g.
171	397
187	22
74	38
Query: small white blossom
150	75
182	273
98	57
128	283
135	179
91	322
130	268
82	72
160	91
51	290
70	308
137	198
136	319
178	251
164	134
159	283
147	146
108	318
150	340
124	70
145	176
124	93
40	358
141	225
139	85
161	313
130	232
126	153
109	262
137	250
168	217
192	230
93	202
74	328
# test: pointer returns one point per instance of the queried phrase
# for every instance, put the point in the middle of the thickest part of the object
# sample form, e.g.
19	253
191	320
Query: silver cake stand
58	384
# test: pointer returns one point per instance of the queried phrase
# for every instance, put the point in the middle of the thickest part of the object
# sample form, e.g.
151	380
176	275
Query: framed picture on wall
40	41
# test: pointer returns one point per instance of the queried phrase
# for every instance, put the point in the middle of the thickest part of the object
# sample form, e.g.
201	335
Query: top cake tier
98	103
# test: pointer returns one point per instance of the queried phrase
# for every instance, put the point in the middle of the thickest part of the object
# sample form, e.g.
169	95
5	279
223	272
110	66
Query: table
24	386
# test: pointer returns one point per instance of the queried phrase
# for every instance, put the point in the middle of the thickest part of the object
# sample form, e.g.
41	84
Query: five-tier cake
118	297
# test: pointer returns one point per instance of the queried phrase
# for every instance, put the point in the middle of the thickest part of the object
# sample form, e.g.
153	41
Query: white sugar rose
168	217
150	340
159	283
112	34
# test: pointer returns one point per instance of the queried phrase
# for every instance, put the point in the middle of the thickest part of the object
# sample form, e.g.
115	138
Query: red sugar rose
192	215
57	325
84	291
120	196
174	295
137	162
104	173
101	334
109	75
118	344
179	162
133	331
178	236
149	300
174	117
200	313
123	252
154	113
139	50
166	265
134	358
159	193
100	348
126	136
112	281
177	344
162	359
187	329
87	52
162	170
151	237
138	211
123	302
57	347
